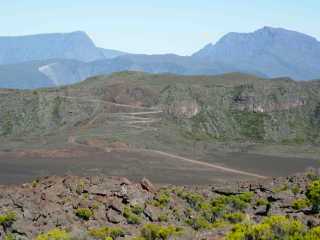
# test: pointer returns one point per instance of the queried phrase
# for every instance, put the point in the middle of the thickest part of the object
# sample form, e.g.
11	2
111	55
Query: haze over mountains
57	59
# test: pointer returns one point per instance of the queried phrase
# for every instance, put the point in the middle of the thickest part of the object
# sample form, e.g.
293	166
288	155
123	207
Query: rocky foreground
115	208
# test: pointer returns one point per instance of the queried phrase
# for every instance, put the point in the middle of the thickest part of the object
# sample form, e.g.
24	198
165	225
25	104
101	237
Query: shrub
137	209
262	202
55	234
199	223
162	199
281	188
163	217
131	217
312	174
313	234
8	218
300	203
195	200
80	187
295	189
104	233
234	217
252	232
84	213
313	194
10	236
155	232
274	227
35	183
237	202
246	196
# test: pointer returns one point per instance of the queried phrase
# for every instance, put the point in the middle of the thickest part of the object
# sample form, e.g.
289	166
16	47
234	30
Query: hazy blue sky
147	26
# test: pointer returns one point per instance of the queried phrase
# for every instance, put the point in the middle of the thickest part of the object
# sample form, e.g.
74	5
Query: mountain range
45	60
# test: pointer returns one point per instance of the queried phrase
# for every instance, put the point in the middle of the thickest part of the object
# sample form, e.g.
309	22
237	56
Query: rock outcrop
81	204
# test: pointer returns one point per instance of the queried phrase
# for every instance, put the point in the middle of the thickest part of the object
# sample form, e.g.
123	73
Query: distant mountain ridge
75	45
276	52
59	59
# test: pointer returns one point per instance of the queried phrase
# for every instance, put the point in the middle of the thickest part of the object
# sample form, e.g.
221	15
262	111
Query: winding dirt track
110	103
73	140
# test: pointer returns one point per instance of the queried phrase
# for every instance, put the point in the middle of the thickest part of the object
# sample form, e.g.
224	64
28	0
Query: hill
231	106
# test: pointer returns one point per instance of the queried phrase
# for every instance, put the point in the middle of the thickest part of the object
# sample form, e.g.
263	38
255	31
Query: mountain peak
275	52
74	45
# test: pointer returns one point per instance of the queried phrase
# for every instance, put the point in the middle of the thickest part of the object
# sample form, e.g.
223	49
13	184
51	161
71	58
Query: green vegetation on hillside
185	110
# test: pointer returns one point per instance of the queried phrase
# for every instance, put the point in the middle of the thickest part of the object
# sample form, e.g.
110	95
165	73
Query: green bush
199	223
313	234
137	209
157	232
246	196
163	217
262	202
281	188
8	218
234	217
131	217
313	194
55	234
295	189
237	202
300	203
9	236
217	209
162	199
84	213
312	175
195	200
274	227
104	233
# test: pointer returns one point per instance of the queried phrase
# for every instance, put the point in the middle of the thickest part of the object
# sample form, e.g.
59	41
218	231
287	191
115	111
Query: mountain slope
109	53
75	45
44	73
276	52
59	72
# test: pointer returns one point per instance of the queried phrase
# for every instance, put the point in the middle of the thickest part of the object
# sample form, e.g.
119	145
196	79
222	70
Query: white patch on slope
49	71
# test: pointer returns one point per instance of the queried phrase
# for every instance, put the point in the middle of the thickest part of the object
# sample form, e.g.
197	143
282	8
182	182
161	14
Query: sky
157	27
